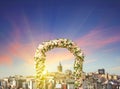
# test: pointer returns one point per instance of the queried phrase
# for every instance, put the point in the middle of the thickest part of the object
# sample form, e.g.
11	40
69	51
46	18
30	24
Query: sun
45	72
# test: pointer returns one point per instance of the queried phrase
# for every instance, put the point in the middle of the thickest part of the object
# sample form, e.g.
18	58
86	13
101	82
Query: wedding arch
40	59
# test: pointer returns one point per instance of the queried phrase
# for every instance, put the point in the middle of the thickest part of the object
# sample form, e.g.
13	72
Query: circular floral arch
40	58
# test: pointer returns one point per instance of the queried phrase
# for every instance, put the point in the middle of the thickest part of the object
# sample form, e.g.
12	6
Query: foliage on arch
40	58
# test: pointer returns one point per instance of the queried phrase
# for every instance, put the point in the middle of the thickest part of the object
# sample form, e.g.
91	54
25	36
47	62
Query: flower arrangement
40	58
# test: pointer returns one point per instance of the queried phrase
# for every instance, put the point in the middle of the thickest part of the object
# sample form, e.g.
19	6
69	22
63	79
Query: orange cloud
5	59
58	55
55	56
89	42
23	51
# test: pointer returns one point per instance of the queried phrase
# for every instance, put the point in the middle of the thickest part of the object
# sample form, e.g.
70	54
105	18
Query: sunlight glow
45	71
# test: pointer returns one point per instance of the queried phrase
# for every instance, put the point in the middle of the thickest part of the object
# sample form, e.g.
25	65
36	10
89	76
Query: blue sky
93	25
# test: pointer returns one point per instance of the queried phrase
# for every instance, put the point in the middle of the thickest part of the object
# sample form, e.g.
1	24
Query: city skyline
93	26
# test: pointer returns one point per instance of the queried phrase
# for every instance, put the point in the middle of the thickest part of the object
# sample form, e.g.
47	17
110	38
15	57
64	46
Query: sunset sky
93	25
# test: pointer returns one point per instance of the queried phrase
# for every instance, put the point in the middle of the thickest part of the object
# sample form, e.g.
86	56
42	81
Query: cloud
89	42
58	55
95	40
26	51
90	61
5	59
109	50
117	68
22	51
107	41
24	42
68	66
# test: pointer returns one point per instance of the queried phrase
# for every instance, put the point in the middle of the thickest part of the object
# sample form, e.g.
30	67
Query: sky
93	25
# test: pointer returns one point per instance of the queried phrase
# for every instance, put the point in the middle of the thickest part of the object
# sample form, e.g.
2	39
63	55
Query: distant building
0	82
4	84
101	71
31	83
59	68
119	77
115	77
